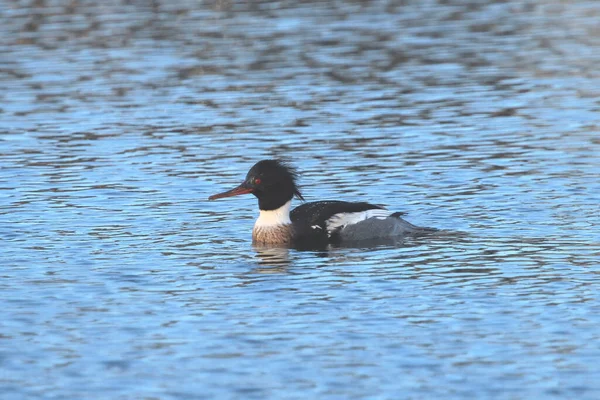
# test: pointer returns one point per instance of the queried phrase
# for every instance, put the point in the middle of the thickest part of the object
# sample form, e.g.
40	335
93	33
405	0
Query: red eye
257	181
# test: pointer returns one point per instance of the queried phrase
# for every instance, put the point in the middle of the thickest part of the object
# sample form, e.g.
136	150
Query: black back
309	219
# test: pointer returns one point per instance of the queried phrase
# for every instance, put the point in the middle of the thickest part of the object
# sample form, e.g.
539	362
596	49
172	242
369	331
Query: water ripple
120	280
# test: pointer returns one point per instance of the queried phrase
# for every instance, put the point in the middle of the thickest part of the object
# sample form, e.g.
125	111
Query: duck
274	183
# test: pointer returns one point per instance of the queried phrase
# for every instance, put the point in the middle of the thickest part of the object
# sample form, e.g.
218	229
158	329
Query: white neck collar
281	216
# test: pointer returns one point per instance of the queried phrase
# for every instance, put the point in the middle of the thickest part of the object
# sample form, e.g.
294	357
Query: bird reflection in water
272	259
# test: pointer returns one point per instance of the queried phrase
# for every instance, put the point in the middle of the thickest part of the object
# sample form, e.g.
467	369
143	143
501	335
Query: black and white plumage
316	223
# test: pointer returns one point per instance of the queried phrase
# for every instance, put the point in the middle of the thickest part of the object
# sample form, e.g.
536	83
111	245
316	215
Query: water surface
119	119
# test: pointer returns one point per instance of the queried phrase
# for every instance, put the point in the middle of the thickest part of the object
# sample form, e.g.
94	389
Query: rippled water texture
120	281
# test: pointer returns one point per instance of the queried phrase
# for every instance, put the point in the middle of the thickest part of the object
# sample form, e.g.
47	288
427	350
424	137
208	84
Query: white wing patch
340	220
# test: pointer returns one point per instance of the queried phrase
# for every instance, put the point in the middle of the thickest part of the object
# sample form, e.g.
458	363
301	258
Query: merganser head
272	181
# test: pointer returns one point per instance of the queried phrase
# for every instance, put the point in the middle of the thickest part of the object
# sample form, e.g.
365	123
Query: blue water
119	280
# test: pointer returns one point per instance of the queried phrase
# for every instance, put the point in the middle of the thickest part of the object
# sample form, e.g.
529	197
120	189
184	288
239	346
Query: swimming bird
274	183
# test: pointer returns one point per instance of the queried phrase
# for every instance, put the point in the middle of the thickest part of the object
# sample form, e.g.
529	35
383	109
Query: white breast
271	218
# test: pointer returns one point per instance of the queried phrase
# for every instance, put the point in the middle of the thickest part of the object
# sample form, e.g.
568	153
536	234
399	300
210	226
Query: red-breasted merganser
316	223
